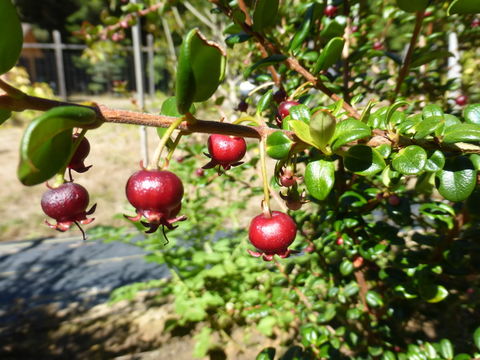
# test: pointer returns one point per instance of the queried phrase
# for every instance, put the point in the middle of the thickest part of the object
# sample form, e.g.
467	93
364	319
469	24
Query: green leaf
464	7
374	299
300	112
11	40
462	133
426	127
346	267
410	161
435	162
203	342
322	128
271	60
388	355
47	142
302	130
278	145
333	28
432	111
433	293
200	69
462	356
412	6
319	178
266	354
264	101
457	180
264	14
476	338
237	38
330	54
4	115
471	113
385	150
302	33
349	130
446	349
169	108
475	159
266	325
364	160
427	56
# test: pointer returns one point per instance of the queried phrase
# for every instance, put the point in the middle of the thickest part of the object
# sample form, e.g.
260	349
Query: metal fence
57	64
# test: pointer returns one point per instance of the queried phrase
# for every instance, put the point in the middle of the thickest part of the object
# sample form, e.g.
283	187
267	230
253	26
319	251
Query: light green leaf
322	128
446	349
302	130
320	178
264	101
11	38
457	180
374	299
349	130
278	145
462	133
266	325
476	338
471	113
300	112
203	342
410	161
435	162
433	293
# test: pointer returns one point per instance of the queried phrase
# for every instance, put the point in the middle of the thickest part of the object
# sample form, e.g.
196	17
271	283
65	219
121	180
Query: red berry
461	100
355	28
284	108
427	13
394	200
475	23
199	172
156	195
67	204
330	11
83	149
226	151
272	235
340	241
378	45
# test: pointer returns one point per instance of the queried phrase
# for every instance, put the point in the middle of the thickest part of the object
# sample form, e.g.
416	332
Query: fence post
151	66
62	88
137	56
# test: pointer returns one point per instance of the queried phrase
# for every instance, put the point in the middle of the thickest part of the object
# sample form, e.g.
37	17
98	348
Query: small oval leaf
349	130
410	161
11	40
278	145
457	180
330	54
322	127
319	178
364	160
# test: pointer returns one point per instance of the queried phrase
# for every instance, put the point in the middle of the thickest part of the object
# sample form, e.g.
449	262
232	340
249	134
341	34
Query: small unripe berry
378	45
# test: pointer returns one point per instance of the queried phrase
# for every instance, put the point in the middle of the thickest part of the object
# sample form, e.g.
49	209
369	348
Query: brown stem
362	284
408	58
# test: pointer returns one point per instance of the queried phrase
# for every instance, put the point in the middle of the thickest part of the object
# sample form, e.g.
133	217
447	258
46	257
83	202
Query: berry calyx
272	235
330	11
67	204
78	158
156	196
225	150
461	100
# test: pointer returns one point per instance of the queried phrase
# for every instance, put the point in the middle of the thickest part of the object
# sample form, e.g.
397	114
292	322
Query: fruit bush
375	253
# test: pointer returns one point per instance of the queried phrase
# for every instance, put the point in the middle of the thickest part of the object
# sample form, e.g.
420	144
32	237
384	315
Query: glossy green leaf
322	128
319	178
47	141
432	111
302	33
410	160
364	160
427	56
476	338
266	354
264	101
346	267
433	293
448	121
11	40
302	130
333	28
331	53
385	150
278	145
200	69
389	355
265	14
4	115
169	108
374	299
435	162
462	356
426	127
475	159
271	60
300	112
349	130
471	113
457	180
237	38
464	7
446	349
412	6
462	133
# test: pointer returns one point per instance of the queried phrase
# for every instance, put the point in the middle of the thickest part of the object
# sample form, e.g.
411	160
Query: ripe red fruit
284	108
272	235
475	23
355	28
378	45
226	151
330	11
461	100
83	149
339	241
67	204
394	200
427	13
157	196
